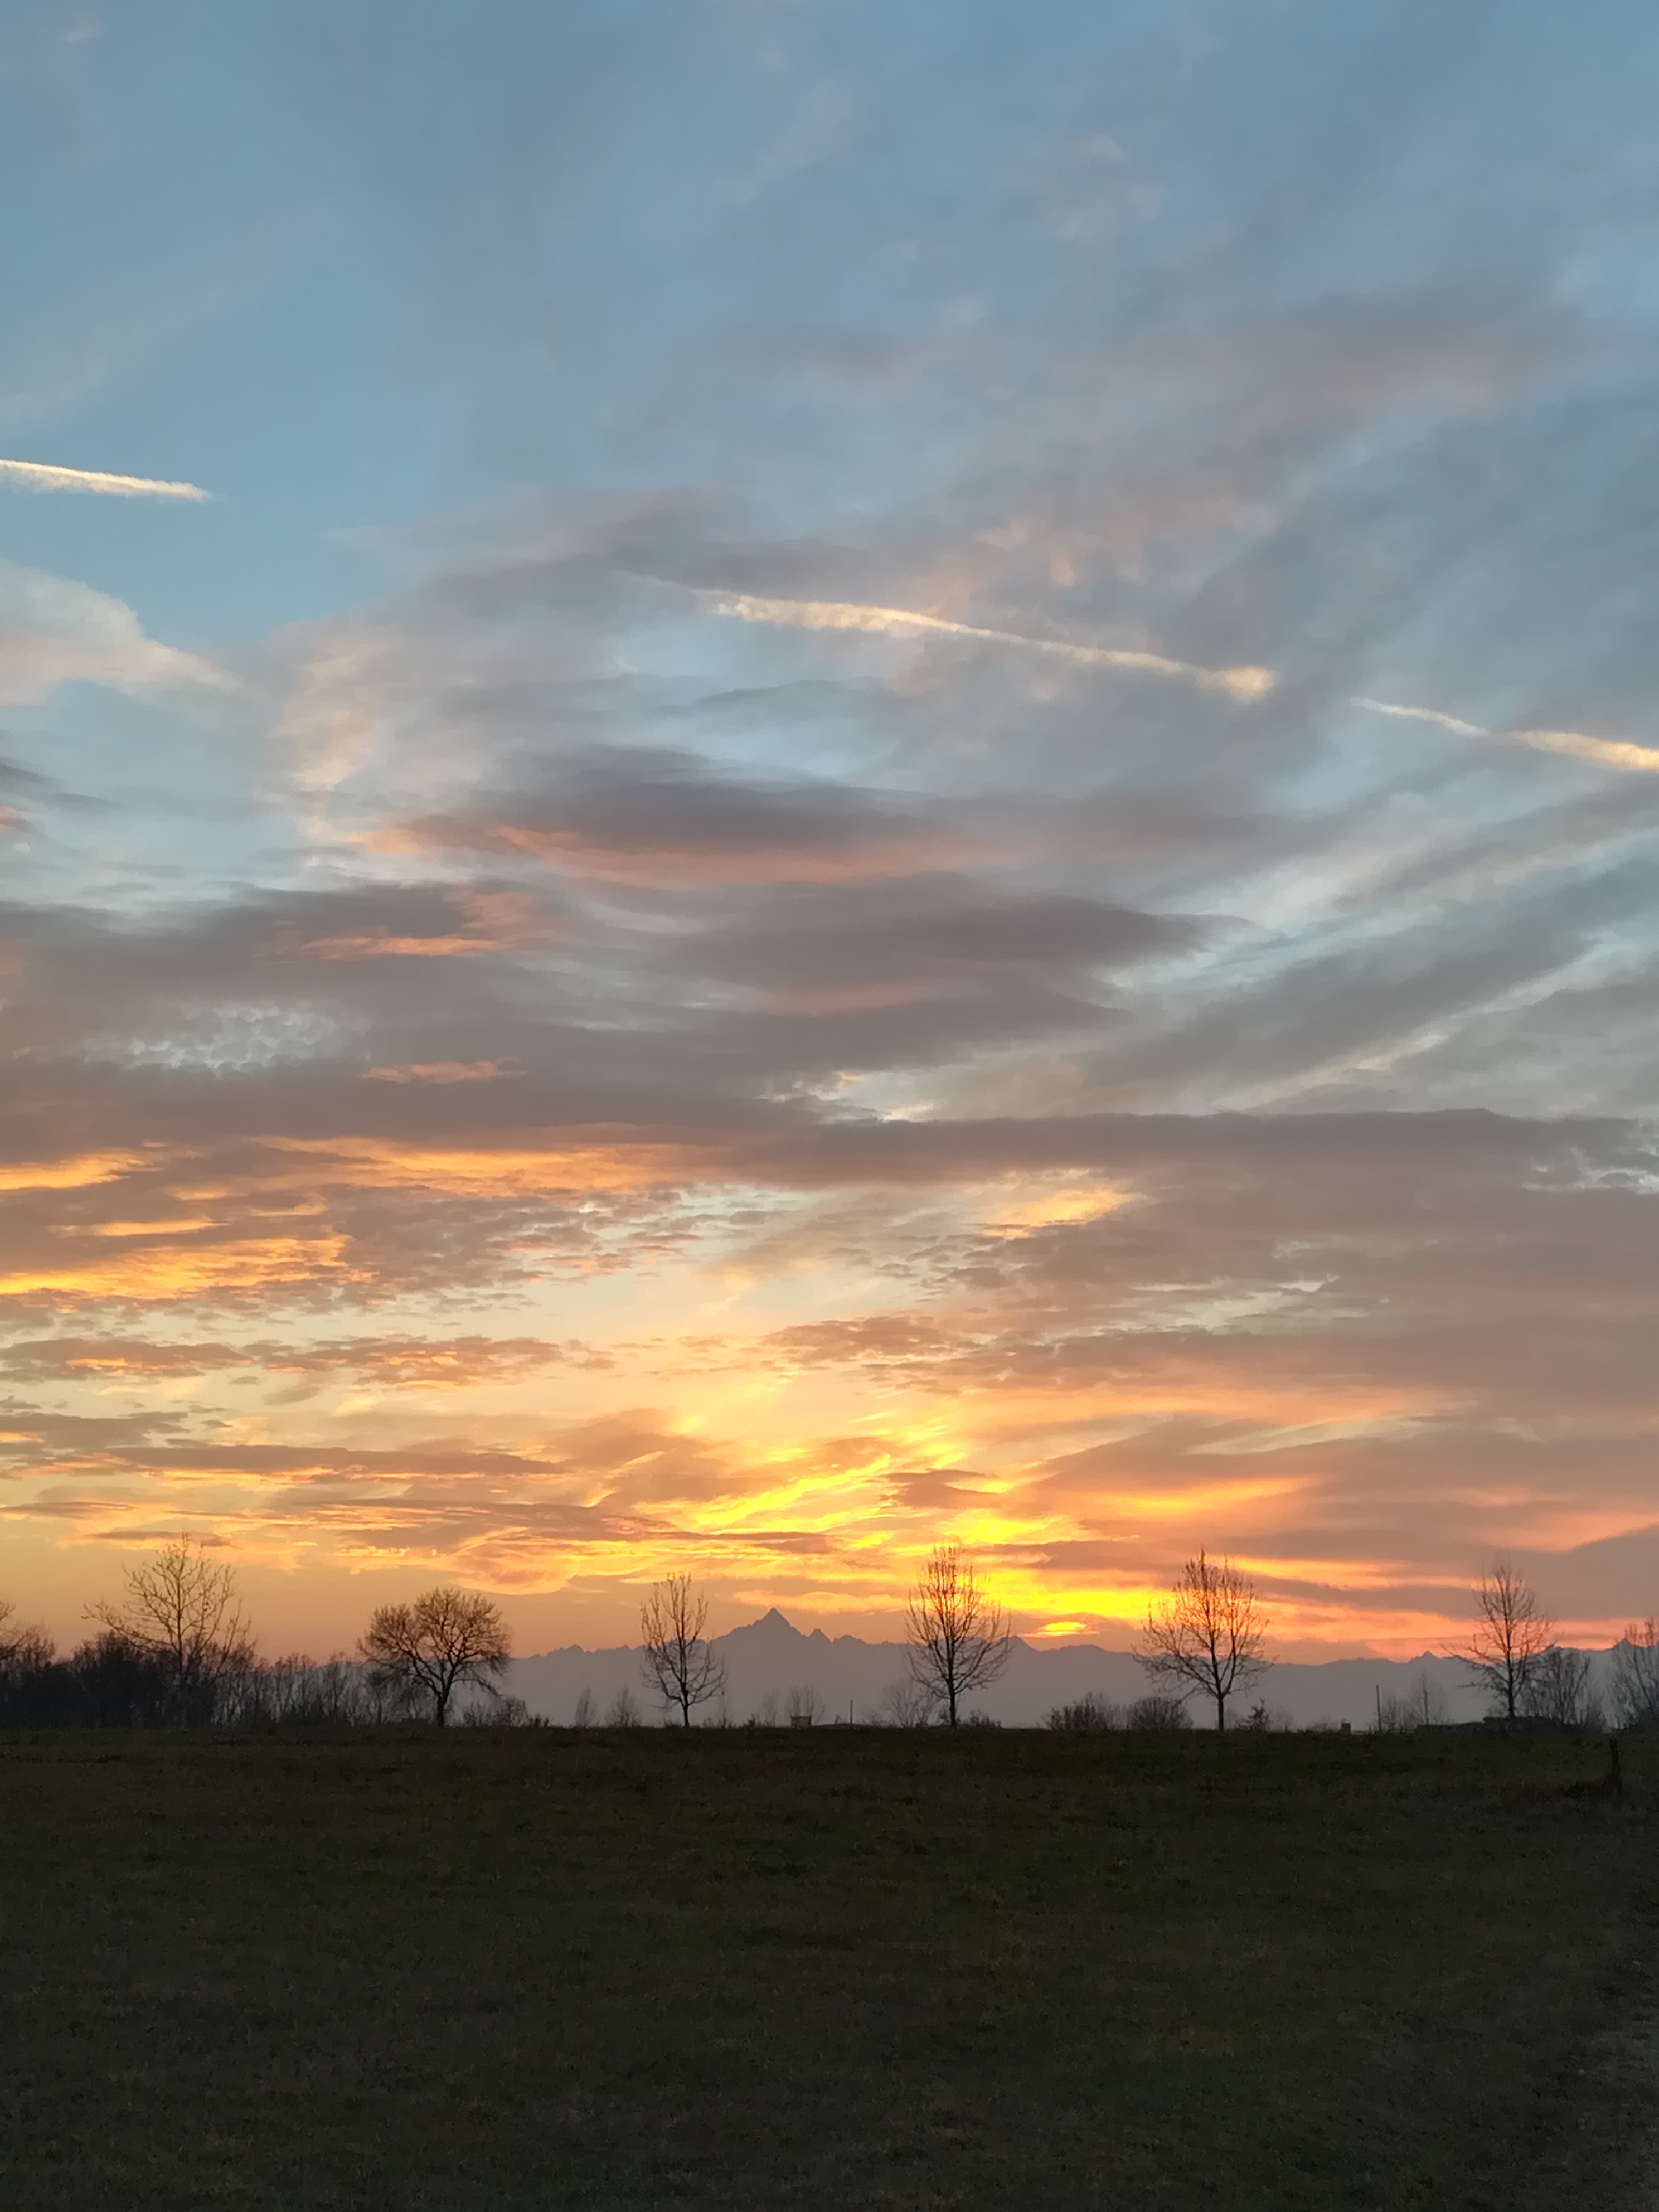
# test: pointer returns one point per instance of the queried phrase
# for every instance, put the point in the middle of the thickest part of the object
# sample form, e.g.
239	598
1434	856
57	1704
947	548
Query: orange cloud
73	1174
365	947
603	855
131	1228
381	1163
164	1273
1057	1209
445	1071
492	921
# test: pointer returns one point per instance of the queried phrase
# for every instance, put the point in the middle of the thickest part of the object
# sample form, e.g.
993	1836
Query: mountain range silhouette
771	1657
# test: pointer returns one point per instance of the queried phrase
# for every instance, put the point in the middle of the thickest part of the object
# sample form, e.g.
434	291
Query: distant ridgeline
770	1664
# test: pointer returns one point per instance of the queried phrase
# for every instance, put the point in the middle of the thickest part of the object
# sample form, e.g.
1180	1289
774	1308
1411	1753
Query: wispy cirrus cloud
54	630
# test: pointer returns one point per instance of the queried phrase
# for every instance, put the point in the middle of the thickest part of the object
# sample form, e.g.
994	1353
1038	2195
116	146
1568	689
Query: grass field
836	1969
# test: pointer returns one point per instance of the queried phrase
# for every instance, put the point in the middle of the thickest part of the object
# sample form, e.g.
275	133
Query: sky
782	778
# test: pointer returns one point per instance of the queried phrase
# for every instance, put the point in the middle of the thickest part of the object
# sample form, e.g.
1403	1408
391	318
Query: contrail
1235	683
1425	714
1604	752
44	475
1601	752
839	614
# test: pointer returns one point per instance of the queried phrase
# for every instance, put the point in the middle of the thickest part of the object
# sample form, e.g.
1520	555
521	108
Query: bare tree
624	1711
677	1661
1208	1635
905	1705
805	1707
586	1710
181	1611
1426	1701
1636	1676
1089	1715
959	1640
22	1646
1511	1638
1157	1715
499	1711
430	1647
1423	1705
296	1691
1560	1690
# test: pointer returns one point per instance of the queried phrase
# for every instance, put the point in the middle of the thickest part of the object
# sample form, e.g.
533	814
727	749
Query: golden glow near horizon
821	1455
620	1409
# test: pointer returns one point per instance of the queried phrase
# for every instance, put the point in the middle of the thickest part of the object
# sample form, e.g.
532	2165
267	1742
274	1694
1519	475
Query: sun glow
1059	1209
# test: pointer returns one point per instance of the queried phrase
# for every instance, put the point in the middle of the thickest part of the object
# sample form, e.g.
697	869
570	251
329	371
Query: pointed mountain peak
771	1623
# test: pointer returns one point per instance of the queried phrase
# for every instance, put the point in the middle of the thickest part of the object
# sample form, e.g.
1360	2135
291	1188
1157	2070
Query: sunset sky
782	776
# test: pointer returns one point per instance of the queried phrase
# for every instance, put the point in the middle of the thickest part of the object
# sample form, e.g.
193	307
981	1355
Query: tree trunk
1221	1712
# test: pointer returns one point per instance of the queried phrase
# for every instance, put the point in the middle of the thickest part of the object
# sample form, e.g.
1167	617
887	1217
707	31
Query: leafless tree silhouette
1089	1715
430	1647
1427	1701
677	1661
905	1705
297	1692
1636	1676
1510	1639
1560	1690
22	1646
624	1709
1157	1716
1208	1635
181	1611
1423	1705
959	1641
499	1712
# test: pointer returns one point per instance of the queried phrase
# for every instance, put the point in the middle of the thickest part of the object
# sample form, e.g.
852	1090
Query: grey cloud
402	1360
947	932
654	818
16	779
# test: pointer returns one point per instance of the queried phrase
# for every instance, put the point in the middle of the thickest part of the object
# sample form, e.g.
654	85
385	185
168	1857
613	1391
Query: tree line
176	1651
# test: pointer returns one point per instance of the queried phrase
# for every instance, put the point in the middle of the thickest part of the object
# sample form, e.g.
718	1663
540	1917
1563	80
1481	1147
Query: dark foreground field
835	1970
